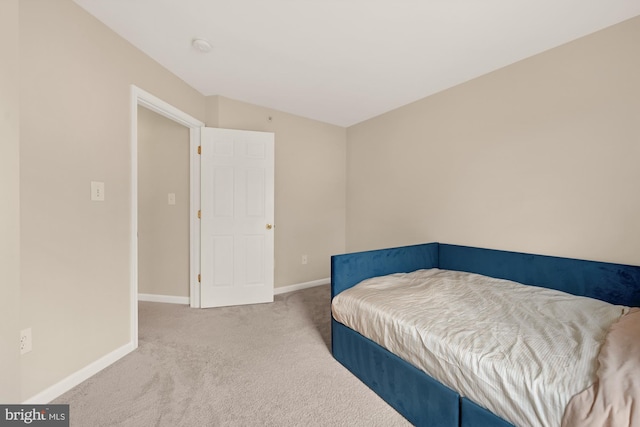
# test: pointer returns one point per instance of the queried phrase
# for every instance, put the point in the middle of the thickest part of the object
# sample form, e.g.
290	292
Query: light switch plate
171	198
97	191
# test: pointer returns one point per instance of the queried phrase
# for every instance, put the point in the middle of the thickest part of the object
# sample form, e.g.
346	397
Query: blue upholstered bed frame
418	397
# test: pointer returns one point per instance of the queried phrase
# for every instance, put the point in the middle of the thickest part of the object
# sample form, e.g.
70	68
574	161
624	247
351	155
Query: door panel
237	247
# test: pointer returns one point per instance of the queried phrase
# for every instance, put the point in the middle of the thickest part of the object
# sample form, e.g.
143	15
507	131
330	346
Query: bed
413	390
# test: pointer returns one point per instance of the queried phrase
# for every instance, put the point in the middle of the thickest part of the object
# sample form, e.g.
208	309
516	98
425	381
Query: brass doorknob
269	226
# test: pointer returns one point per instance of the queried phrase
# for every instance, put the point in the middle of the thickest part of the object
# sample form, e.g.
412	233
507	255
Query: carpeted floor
258	365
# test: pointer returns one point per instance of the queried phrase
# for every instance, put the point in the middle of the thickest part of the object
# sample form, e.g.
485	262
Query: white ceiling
344	61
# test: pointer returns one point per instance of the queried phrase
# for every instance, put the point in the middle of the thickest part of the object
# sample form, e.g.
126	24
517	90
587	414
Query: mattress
519	351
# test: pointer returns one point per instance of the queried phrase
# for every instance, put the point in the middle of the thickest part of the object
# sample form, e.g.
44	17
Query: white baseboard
299	286
276	291
76	378
164	298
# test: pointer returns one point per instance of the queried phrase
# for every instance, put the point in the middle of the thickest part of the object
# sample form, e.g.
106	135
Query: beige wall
309	187
541	156
75	128
212	111
163	229
10	205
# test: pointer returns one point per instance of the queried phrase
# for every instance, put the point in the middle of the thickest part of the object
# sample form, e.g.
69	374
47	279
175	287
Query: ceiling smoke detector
201	45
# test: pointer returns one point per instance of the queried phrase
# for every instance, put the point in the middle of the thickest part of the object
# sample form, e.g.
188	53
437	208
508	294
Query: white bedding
520	351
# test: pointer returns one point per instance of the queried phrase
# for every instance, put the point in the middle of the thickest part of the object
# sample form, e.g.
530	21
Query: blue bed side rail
418	397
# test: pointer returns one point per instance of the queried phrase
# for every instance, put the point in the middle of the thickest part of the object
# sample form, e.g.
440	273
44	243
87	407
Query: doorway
144	99
163	209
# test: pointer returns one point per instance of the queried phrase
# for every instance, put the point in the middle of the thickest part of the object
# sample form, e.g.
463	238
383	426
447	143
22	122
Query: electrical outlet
305	260
25	341
97	191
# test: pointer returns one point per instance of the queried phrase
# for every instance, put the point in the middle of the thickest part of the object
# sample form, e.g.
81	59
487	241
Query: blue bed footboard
417	396
351	269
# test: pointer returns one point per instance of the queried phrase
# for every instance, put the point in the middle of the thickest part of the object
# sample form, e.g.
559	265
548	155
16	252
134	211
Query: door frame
140	97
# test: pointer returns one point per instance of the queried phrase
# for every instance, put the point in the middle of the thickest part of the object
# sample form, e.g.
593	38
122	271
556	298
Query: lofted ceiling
345	61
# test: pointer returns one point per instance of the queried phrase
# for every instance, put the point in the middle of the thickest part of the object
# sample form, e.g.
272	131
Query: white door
237	212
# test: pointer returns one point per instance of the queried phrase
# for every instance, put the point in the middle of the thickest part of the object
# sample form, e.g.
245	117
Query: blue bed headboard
614	283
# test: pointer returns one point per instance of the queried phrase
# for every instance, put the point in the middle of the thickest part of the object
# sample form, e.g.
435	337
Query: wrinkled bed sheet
614	399
520	351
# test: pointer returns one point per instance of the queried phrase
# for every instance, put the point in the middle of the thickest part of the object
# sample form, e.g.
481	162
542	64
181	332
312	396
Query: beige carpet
258	365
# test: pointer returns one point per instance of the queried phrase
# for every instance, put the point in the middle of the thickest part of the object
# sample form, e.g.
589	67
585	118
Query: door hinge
199	214
198	278
199	149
